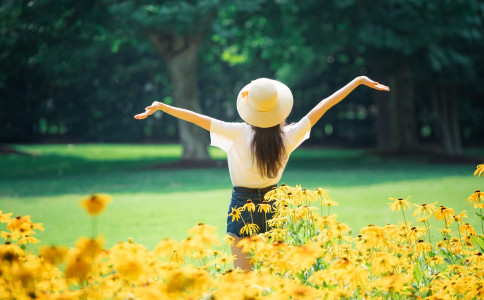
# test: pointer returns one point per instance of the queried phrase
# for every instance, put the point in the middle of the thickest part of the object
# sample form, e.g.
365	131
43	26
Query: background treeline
77	71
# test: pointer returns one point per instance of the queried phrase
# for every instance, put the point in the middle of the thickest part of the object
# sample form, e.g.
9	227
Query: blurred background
74	73
77	71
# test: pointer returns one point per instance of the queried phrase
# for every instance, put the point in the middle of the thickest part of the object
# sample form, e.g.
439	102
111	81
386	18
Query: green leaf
479	241
417	274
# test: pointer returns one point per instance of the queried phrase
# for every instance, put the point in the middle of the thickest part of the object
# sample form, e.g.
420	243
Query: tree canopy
77	71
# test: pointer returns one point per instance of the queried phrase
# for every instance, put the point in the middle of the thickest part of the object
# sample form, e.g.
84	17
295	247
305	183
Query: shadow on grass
62	173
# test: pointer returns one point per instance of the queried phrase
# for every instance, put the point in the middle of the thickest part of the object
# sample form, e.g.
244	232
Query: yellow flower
27	239
423	219
479	170
78	267
329	203
383	262
130	264
177	258
467	229
9	253
426	209
443	213
236	213
204	234
20	223
446	231
342	263
249	229
229	239
95	204
478	257
393	283
423	246
264	207
476	197
249	206
323	194
5	218
14	235
89	248
53	254
457	218
415	232
399	204
436	260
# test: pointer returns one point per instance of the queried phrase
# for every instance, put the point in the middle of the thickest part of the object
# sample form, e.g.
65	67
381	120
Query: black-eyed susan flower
435	260
383	262
394	283
422	246
423	219
479	170
399	204
426	209
478	257
323	194
249	229
457	218
236	213
479	205
204	234
443	213
10	235
249	206
53	254
329	203
229	239
78	267
265	207
476	197
95	204
177	258
467	229
5	218
89	247
27	239
415	232
446	231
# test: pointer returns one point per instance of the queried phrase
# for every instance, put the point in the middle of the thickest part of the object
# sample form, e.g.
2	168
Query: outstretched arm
180	113
319	110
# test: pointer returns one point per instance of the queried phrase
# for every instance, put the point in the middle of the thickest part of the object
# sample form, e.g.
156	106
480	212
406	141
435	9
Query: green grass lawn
151	204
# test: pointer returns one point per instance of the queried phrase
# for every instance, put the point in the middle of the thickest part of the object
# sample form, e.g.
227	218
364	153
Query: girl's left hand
149	111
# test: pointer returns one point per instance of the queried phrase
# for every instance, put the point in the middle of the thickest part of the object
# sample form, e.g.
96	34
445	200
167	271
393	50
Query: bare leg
242	260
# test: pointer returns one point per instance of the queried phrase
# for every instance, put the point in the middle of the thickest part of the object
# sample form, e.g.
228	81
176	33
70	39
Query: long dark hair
268	149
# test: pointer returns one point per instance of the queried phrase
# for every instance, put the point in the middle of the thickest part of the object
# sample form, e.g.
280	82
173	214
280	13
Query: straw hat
264	103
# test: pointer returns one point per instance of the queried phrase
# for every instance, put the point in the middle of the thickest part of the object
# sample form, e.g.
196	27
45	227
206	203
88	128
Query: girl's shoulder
229	128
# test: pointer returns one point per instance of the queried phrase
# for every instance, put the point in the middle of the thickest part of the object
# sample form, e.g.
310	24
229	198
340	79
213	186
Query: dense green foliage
79	70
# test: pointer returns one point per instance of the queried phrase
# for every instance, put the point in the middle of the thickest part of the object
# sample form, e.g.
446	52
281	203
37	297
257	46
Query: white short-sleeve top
235	139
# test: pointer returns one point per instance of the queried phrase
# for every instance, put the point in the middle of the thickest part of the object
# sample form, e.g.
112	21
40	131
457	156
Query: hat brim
266	119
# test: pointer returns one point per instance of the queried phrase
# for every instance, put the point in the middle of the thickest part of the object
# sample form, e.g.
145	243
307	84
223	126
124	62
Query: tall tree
177	29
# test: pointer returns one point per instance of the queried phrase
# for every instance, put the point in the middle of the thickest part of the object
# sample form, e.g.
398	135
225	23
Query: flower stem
482	225
428	231
94	227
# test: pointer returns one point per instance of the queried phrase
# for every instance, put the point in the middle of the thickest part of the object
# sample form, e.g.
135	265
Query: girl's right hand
373	84
149	110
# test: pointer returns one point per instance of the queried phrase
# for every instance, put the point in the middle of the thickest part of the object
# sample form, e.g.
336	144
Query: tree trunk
180	54
396	119
447	121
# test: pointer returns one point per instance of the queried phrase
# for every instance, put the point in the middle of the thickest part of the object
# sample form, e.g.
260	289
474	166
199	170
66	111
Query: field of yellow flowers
306	254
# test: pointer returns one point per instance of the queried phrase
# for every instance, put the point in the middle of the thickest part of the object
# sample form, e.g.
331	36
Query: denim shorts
240	195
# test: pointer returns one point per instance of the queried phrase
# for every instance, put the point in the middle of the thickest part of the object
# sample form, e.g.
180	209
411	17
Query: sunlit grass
150	204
